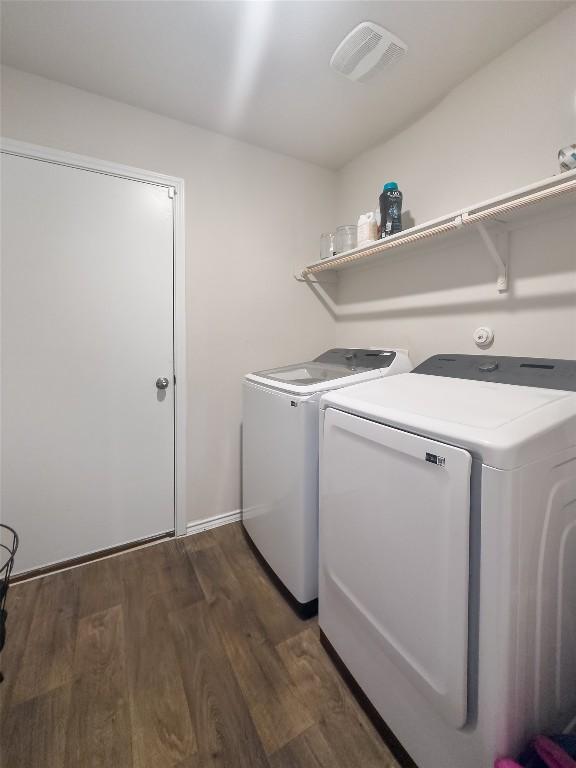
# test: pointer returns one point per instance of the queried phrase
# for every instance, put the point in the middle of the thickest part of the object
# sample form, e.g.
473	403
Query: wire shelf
503	210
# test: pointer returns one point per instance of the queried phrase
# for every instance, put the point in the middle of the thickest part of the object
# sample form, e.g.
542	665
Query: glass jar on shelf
326	245
346	238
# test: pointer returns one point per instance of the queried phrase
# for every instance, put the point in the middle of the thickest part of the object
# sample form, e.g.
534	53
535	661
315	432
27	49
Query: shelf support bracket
499	259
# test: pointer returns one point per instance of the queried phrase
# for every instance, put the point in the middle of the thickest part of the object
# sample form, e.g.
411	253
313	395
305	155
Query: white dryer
280	459
448	552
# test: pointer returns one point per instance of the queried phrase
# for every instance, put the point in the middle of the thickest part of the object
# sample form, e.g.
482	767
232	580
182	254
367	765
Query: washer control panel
522	371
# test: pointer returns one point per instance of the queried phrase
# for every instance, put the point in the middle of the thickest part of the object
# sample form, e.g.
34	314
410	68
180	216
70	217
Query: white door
87	329
394	521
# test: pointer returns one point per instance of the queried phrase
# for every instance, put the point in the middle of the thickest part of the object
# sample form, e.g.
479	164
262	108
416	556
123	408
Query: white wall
251	216
498	130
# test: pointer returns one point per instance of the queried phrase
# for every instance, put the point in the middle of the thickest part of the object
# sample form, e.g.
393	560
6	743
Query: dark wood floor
177	655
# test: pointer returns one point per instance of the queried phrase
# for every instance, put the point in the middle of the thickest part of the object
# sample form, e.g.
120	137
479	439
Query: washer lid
307	373
505	425
325	371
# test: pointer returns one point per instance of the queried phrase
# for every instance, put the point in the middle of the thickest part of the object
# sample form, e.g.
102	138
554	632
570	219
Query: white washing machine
280	459
448	552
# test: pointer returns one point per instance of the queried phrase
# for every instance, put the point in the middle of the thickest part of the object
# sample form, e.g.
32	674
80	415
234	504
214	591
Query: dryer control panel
522	371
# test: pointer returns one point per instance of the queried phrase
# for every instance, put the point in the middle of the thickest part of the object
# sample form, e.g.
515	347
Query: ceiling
259	71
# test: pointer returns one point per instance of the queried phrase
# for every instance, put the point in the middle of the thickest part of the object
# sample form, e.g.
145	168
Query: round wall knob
162	383
483	336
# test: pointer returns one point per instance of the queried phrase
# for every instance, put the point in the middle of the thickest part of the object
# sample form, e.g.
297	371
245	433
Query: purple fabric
552	754
543	753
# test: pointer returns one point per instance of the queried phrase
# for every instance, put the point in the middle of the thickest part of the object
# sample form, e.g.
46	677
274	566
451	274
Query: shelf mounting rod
307	278
499	260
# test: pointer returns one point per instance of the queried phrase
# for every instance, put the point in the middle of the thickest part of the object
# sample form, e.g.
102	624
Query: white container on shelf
367	228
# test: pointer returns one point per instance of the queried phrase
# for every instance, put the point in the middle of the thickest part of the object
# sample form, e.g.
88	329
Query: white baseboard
197	526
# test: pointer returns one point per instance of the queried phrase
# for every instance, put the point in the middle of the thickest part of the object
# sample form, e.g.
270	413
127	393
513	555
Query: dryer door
394	519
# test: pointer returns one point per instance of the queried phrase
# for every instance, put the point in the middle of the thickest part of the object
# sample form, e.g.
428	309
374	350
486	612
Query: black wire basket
8	547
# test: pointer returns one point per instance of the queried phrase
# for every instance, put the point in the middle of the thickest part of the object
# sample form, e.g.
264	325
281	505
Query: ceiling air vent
366	50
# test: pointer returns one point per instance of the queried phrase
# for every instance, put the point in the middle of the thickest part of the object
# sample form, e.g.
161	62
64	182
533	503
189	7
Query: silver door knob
162	383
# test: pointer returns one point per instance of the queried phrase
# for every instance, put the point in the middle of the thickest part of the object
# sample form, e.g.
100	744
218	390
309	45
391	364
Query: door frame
61	157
